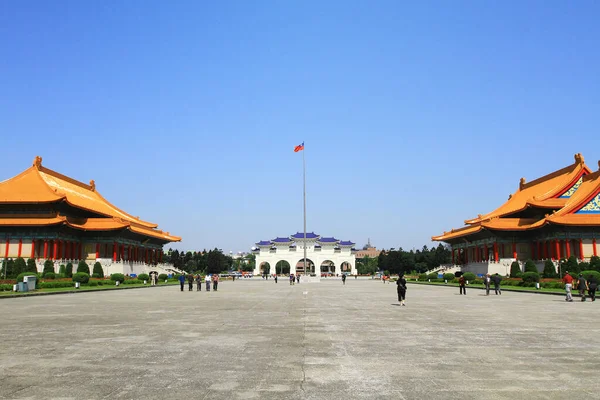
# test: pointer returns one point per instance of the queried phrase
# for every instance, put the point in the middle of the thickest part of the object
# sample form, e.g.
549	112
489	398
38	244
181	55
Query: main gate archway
310	267
265	268
282	267
327	267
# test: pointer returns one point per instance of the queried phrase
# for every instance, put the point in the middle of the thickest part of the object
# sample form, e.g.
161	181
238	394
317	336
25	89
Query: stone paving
260	340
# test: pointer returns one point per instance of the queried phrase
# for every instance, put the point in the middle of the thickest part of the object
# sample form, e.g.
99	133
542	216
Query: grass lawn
81	289
512	288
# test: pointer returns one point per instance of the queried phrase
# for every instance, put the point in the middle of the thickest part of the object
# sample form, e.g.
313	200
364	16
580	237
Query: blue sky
415	115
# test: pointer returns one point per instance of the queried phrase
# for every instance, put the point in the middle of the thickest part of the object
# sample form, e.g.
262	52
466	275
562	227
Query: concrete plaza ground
260	340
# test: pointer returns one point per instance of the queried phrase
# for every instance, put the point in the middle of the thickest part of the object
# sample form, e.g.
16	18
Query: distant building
368	251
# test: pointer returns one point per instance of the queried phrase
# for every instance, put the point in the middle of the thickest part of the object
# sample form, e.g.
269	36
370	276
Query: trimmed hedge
162	277
432	276
21	275
69	270
117	277
132	282
81	277
143	277
469	276
530	277
449	277
52	285
83	267
5	287
422	277
588	274
98	271
49	275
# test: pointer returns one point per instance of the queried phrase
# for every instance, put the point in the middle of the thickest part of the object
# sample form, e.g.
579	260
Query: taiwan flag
298	148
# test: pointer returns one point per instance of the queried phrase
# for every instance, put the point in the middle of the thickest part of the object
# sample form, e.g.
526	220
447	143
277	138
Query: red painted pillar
486	253
467	255
514	250
594	246
544	250
160	256
557	249
97	251
533	251
580	249
495	252
73	250
6	249
452	251
80	245
122	252
539	250
32	248
568	247
54	249
45	249
20	247
115	251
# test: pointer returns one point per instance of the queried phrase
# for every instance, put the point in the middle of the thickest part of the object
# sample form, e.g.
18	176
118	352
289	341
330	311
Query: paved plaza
255	339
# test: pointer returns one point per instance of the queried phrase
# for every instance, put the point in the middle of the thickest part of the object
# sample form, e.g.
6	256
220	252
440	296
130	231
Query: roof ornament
599	165
93	185
522	183
37	162
578	158
510	196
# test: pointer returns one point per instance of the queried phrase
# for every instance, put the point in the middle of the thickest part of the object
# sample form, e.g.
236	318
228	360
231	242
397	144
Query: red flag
298	148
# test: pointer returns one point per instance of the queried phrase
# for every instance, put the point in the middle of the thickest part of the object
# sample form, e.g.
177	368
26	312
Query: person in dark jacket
198	283
486	283
592	286
401	288
582	286
181	281
461	285
344	279
497	279
190	278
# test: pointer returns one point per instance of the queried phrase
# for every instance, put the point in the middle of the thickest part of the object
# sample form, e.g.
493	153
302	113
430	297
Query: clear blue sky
416	115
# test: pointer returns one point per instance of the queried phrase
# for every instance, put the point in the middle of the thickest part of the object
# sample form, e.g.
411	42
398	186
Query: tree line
400	261
209	262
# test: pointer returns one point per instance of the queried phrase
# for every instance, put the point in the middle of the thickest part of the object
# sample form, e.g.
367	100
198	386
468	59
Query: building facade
550	218
324	255
45	215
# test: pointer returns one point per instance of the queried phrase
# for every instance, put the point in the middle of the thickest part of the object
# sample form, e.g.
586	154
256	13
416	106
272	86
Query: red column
495	252
467	255
568	247
514	250
580	249
97	250
452	256
115	251
20	247
557	249
160	254
122	252
45	249
594	245
32	248
486	253
539	250
55	249
6	249
80	245
533	251
544	249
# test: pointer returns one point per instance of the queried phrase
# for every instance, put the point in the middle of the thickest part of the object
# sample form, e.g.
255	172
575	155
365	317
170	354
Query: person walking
292	279
344	279
486	283
401	288
568	281
190	278
275	278
199	283
461	285
181	281
207	280
298	278
215	281
582	286
592	286
497	279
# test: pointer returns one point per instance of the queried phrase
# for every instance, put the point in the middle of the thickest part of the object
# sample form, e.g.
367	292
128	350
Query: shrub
570	265
31	266
131	281
97	276
19	266
81	277
162	277
49	275
83	267
98	270
515	269
48	266
530	266
448	277
530	277
21	275
432	276
52	285
69	270
589	274
422	277
117	277
549	270
469	276
5	287
595	263
143	277
93	283
584	266
62	269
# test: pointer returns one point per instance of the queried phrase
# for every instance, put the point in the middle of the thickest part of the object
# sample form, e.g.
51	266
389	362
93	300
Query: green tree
515	269
69	270
61	270
48	266
570	265
530	266
214	262
98	271
83	267
20	266
31	266
595	263
8	269
549	269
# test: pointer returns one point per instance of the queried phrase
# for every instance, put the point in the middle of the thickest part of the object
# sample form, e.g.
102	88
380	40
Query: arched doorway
327	268
346	267
310	267
265	268
282	267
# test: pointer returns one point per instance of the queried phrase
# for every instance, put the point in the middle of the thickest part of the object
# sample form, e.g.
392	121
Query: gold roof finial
578	158
522	183
37	162
93	185
598	164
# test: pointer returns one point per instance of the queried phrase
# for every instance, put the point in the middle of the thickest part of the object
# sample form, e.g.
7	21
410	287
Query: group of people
153	278
198	279
582	286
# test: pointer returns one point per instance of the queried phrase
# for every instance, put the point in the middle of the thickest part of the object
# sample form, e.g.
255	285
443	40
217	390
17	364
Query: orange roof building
47	215
552	217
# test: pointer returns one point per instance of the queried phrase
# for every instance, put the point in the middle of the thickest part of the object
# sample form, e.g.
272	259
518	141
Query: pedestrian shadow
395	304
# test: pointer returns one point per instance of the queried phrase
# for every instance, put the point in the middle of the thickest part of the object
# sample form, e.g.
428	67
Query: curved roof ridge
58	175
40	184
133	218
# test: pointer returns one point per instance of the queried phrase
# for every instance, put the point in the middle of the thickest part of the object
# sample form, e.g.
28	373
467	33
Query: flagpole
304	202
